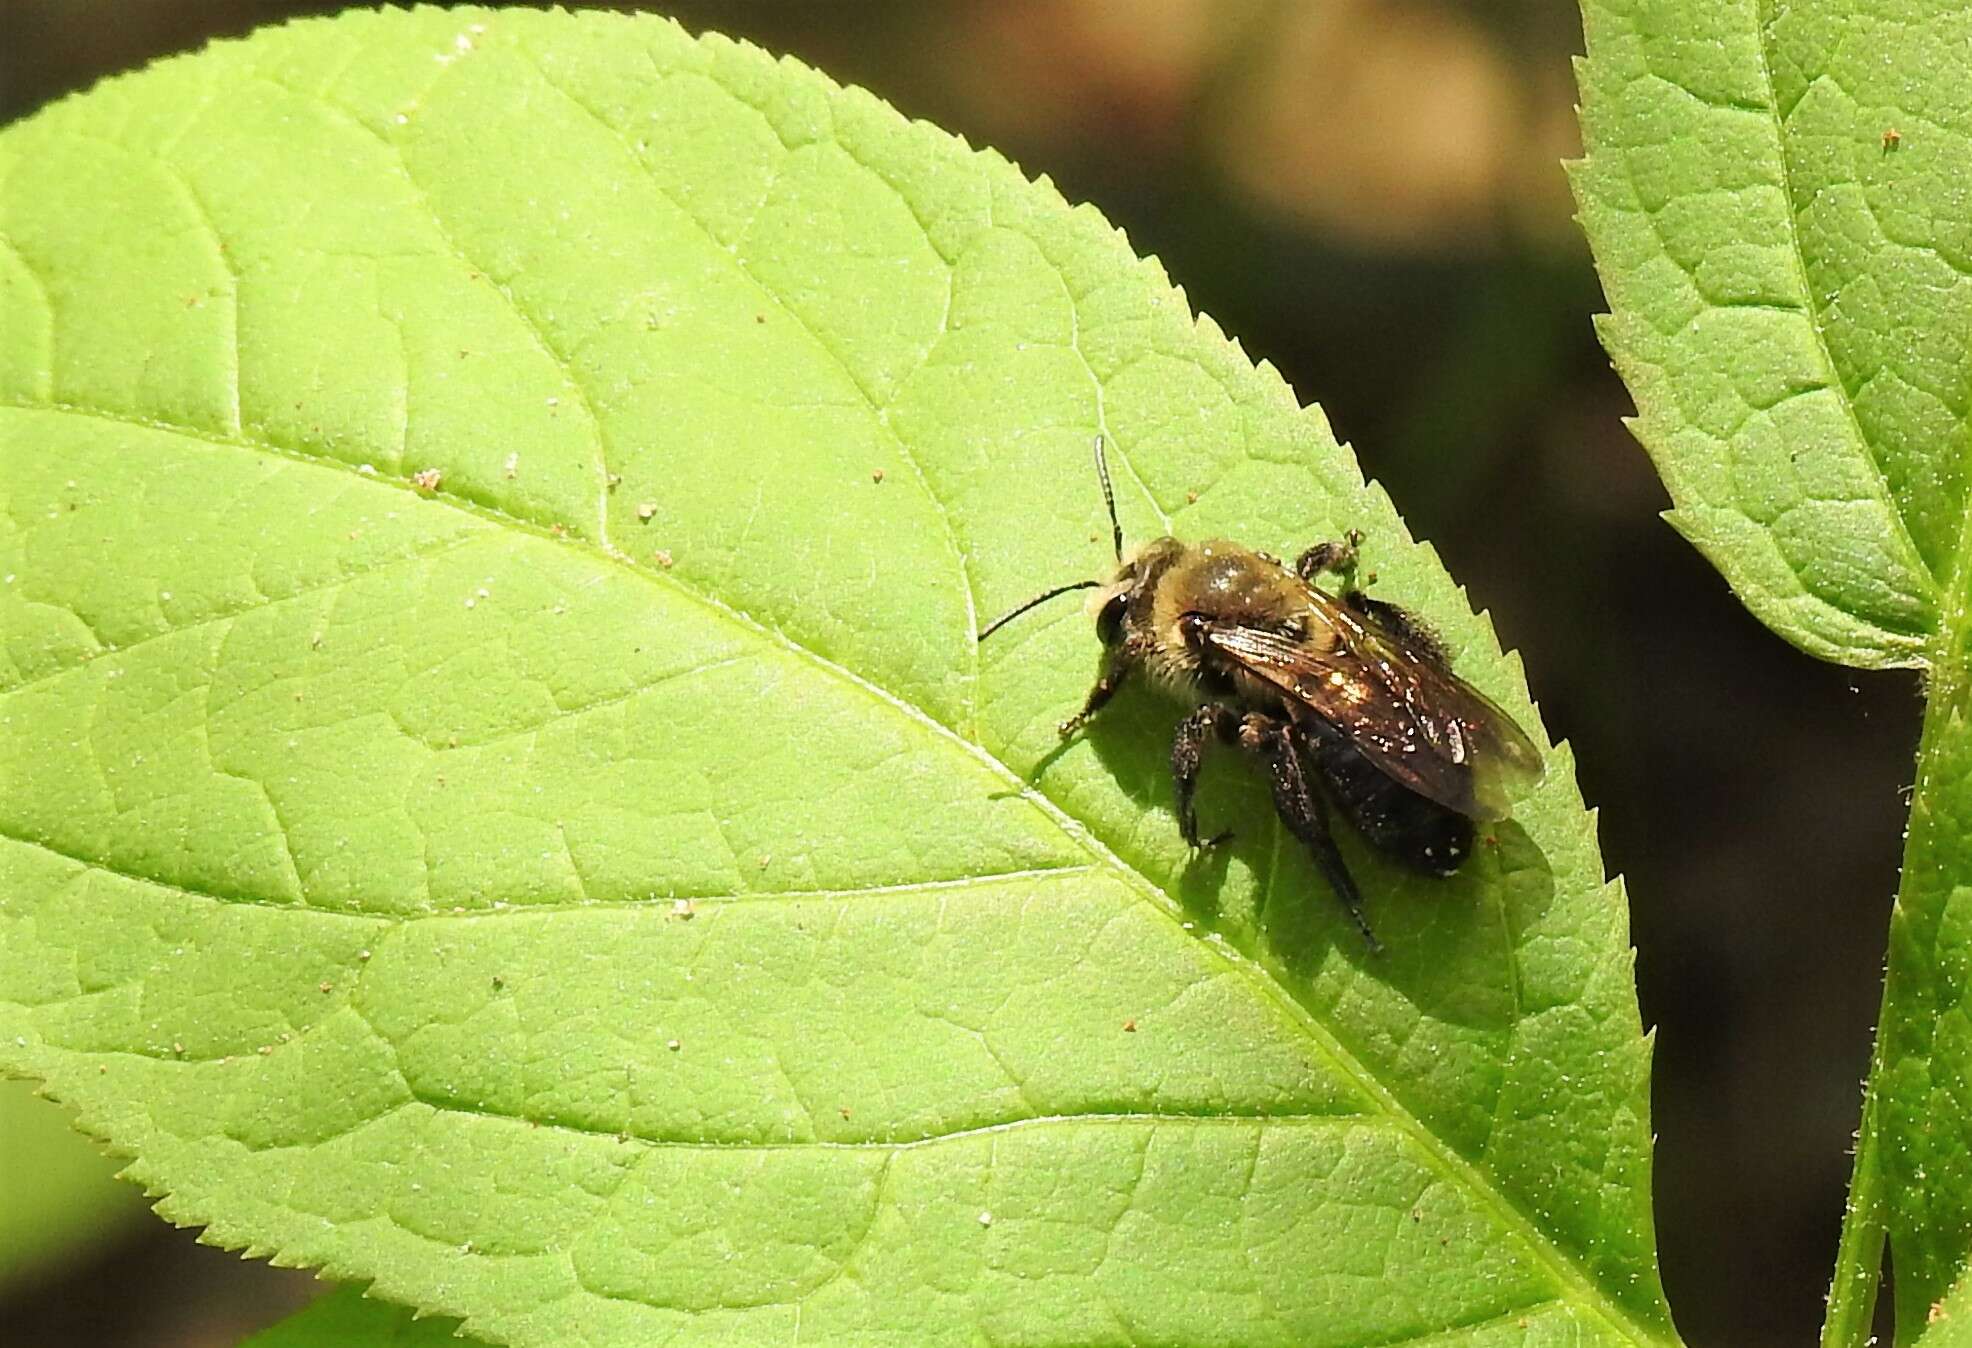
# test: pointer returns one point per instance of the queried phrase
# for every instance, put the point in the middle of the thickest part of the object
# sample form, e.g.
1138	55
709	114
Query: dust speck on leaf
684	908
426	480
673	1045
876	475
645	509
663	558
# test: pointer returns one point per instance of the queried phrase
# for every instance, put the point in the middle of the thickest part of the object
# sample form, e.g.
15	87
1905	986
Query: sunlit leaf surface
504	803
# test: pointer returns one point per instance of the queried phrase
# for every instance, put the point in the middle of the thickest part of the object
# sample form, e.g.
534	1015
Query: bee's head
1111	603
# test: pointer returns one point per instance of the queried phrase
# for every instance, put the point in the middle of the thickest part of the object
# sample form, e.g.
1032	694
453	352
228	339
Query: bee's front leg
1187	750
1302	811
1115	668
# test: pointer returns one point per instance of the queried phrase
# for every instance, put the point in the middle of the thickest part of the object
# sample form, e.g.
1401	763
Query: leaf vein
513	912
878	412
563	365
266	601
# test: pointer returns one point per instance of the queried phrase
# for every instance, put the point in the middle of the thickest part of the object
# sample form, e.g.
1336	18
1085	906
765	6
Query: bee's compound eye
1109	622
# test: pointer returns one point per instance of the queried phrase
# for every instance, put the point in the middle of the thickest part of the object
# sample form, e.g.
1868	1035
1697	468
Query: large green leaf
602	891
1775	195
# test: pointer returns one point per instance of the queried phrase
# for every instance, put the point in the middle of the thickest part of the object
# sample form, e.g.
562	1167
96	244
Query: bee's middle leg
1187	750
1302	811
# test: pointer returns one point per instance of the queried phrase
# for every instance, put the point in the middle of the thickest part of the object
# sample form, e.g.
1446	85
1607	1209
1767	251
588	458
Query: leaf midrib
1452	1165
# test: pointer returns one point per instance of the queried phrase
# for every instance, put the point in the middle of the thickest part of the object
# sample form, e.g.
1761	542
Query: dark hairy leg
1302	811
1399	622
1339	559
1114	670
1337	556
1187	749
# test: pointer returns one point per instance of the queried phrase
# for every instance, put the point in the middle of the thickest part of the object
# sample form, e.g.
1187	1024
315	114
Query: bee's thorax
1178	590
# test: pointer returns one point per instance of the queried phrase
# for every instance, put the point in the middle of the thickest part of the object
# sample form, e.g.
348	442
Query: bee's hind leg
1302	811
1339	559
1187	750
1400	622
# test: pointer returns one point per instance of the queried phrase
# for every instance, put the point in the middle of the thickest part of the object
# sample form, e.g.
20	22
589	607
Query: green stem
1915	1125
1859	1257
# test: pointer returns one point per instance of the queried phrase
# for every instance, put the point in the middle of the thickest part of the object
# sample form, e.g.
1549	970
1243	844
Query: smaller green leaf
1769	268
1775	196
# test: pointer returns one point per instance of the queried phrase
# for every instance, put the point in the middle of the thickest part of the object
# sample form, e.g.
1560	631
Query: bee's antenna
1109	499
1043	598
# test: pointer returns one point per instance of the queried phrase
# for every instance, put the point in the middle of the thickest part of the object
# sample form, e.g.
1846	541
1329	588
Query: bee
1331	687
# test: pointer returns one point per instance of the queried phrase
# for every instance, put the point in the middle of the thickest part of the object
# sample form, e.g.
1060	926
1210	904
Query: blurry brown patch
1384	123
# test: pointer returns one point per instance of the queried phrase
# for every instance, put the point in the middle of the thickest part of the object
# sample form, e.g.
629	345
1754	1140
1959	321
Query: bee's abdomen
1397	821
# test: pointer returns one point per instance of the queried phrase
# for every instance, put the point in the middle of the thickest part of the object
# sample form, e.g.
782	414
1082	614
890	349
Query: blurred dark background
1367	193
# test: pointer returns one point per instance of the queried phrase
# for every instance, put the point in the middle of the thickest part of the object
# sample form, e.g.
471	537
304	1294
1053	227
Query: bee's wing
1396	703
